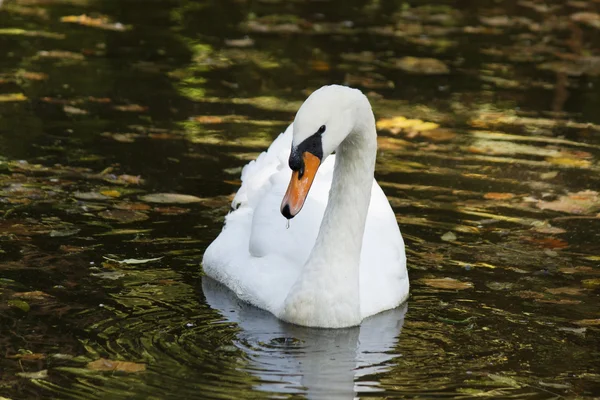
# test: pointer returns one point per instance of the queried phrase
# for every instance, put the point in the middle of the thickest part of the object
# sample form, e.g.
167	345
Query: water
140	98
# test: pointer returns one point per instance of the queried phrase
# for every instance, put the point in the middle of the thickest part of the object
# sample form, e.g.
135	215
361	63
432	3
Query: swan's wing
256	255
256	174
383	277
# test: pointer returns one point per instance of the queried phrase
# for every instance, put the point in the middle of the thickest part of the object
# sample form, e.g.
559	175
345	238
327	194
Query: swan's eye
322	129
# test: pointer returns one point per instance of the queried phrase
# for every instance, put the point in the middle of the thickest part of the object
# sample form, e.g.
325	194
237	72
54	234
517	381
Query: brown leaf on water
74	110
548	243
446	283
32	76
101	22
558	301
61	54
173	198
35	295
583	202
498	196
529	294
130	179
588	18
588	322
130	108
28	356
171	210
209	119
123	216
570	290
103	364
132	206
547	228
320	65
423	66
577	270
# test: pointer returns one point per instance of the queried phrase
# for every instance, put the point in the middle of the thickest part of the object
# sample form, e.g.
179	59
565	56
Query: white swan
342	259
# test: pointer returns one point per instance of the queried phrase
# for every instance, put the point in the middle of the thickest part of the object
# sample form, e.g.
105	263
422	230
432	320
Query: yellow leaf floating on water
103	364
397	124
447	283
569	162
591	283
5	98
111	193
498	196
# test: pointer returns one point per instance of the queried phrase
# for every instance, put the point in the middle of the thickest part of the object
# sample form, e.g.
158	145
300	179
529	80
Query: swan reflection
321	363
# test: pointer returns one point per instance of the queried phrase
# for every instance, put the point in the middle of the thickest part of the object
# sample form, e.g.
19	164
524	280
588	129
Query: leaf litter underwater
122	137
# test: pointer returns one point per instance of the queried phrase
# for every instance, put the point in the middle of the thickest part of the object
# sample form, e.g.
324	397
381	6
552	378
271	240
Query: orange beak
299	186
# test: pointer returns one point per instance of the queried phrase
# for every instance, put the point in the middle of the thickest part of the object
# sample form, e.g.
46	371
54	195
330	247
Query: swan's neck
327	292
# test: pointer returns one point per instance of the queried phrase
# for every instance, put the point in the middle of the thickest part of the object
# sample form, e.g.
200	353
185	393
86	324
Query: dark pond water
489	154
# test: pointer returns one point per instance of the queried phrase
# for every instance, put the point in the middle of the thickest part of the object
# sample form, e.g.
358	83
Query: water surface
489	149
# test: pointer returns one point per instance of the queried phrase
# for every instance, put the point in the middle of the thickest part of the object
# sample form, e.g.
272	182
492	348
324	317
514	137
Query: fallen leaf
547	228
583	202
171	210
35	295
424	66
170	198
111	193
20	304
90	196
101	22
588	18
243	42
133	260
130	108
548	243
529	294
446	283
504	380
587	322
103	364
74	110
591	283
43	374
576	270
498	196
566	290
132	206
10	97
448	237
398	124
28	356
558	301
123	216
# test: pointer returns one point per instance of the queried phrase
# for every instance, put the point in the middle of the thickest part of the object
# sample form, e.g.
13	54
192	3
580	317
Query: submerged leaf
133	260
447	283
103	364
170	198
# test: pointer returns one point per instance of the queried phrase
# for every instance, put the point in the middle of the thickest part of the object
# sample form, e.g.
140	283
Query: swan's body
342	258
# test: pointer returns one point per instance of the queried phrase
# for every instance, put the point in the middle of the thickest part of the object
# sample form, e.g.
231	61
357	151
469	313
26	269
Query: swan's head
322	123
